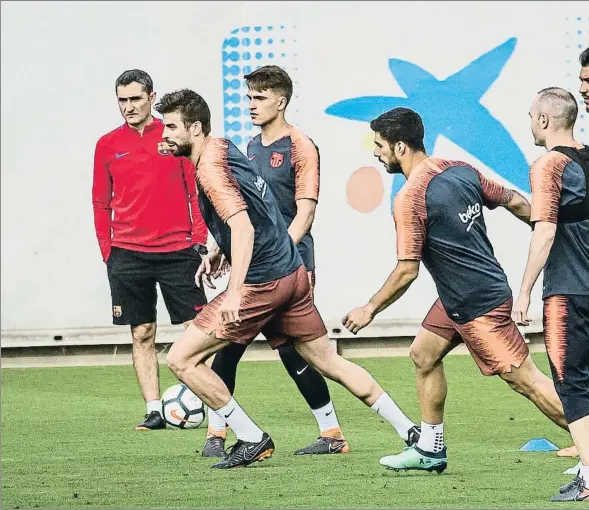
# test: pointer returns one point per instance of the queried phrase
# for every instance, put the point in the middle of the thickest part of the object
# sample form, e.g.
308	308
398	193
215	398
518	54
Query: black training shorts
133	276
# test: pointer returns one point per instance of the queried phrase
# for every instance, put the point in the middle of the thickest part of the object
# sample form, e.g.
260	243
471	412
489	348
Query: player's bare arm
306	181
242	245
540	247
303	220
396	285
544	214
517	205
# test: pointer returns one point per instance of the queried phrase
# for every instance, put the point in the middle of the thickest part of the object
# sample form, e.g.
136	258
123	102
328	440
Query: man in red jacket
149	229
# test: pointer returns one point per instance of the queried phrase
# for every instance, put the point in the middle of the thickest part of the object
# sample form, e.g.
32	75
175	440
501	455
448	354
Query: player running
288	161
560	246
268	290
439	220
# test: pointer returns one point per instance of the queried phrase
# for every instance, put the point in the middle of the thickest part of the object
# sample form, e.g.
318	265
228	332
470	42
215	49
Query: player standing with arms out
560	246
439	220
149	229
268	290
289	163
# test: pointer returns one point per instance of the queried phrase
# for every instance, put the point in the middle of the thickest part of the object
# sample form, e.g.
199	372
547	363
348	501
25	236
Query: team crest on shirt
276	159
117	311
163	148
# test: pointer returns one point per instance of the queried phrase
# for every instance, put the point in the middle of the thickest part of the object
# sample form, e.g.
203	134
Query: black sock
225	364
311	383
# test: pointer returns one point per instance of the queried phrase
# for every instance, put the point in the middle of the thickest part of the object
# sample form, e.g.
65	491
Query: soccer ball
182	408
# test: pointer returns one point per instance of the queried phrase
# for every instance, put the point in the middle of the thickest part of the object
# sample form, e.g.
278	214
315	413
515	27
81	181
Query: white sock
216	423
431	438
154	405
326	417
385	406
584	474
243	426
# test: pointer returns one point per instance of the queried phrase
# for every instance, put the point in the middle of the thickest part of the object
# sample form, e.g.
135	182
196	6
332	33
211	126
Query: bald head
559	106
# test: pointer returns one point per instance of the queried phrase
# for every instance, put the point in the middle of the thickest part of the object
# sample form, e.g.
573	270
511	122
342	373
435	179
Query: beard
538	140
181	149
394	167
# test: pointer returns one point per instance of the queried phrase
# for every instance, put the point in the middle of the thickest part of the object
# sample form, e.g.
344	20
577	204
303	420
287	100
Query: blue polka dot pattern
243	51
576	42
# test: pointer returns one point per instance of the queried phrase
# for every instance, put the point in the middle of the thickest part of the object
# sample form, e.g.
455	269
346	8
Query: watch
201	249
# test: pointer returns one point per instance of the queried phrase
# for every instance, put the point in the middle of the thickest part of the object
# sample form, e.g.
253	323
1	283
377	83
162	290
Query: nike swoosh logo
229	414
251	158
176	417
299	372
337	448
118	156
327	414
250	452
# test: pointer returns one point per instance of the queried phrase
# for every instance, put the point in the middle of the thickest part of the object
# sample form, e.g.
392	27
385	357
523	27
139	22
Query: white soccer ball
182	408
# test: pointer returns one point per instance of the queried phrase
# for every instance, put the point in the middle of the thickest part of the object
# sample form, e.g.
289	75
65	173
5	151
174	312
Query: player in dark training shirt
560	246
268	290
289	162
439	220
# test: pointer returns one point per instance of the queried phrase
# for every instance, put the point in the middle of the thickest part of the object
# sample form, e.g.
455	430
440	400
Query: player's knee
527	379
177	362
423	360
324	364
520	382
143	333
520	386
332	366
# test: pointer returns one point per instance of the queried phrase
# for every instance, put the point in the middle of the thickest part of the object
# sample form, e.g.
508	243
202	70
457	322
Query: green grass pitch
68	440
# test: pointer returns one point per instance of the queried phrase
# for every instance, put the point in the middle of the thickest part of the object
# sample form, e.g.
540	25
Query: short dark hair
400	125
560	104
270	78
192	107
137	76
584	58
